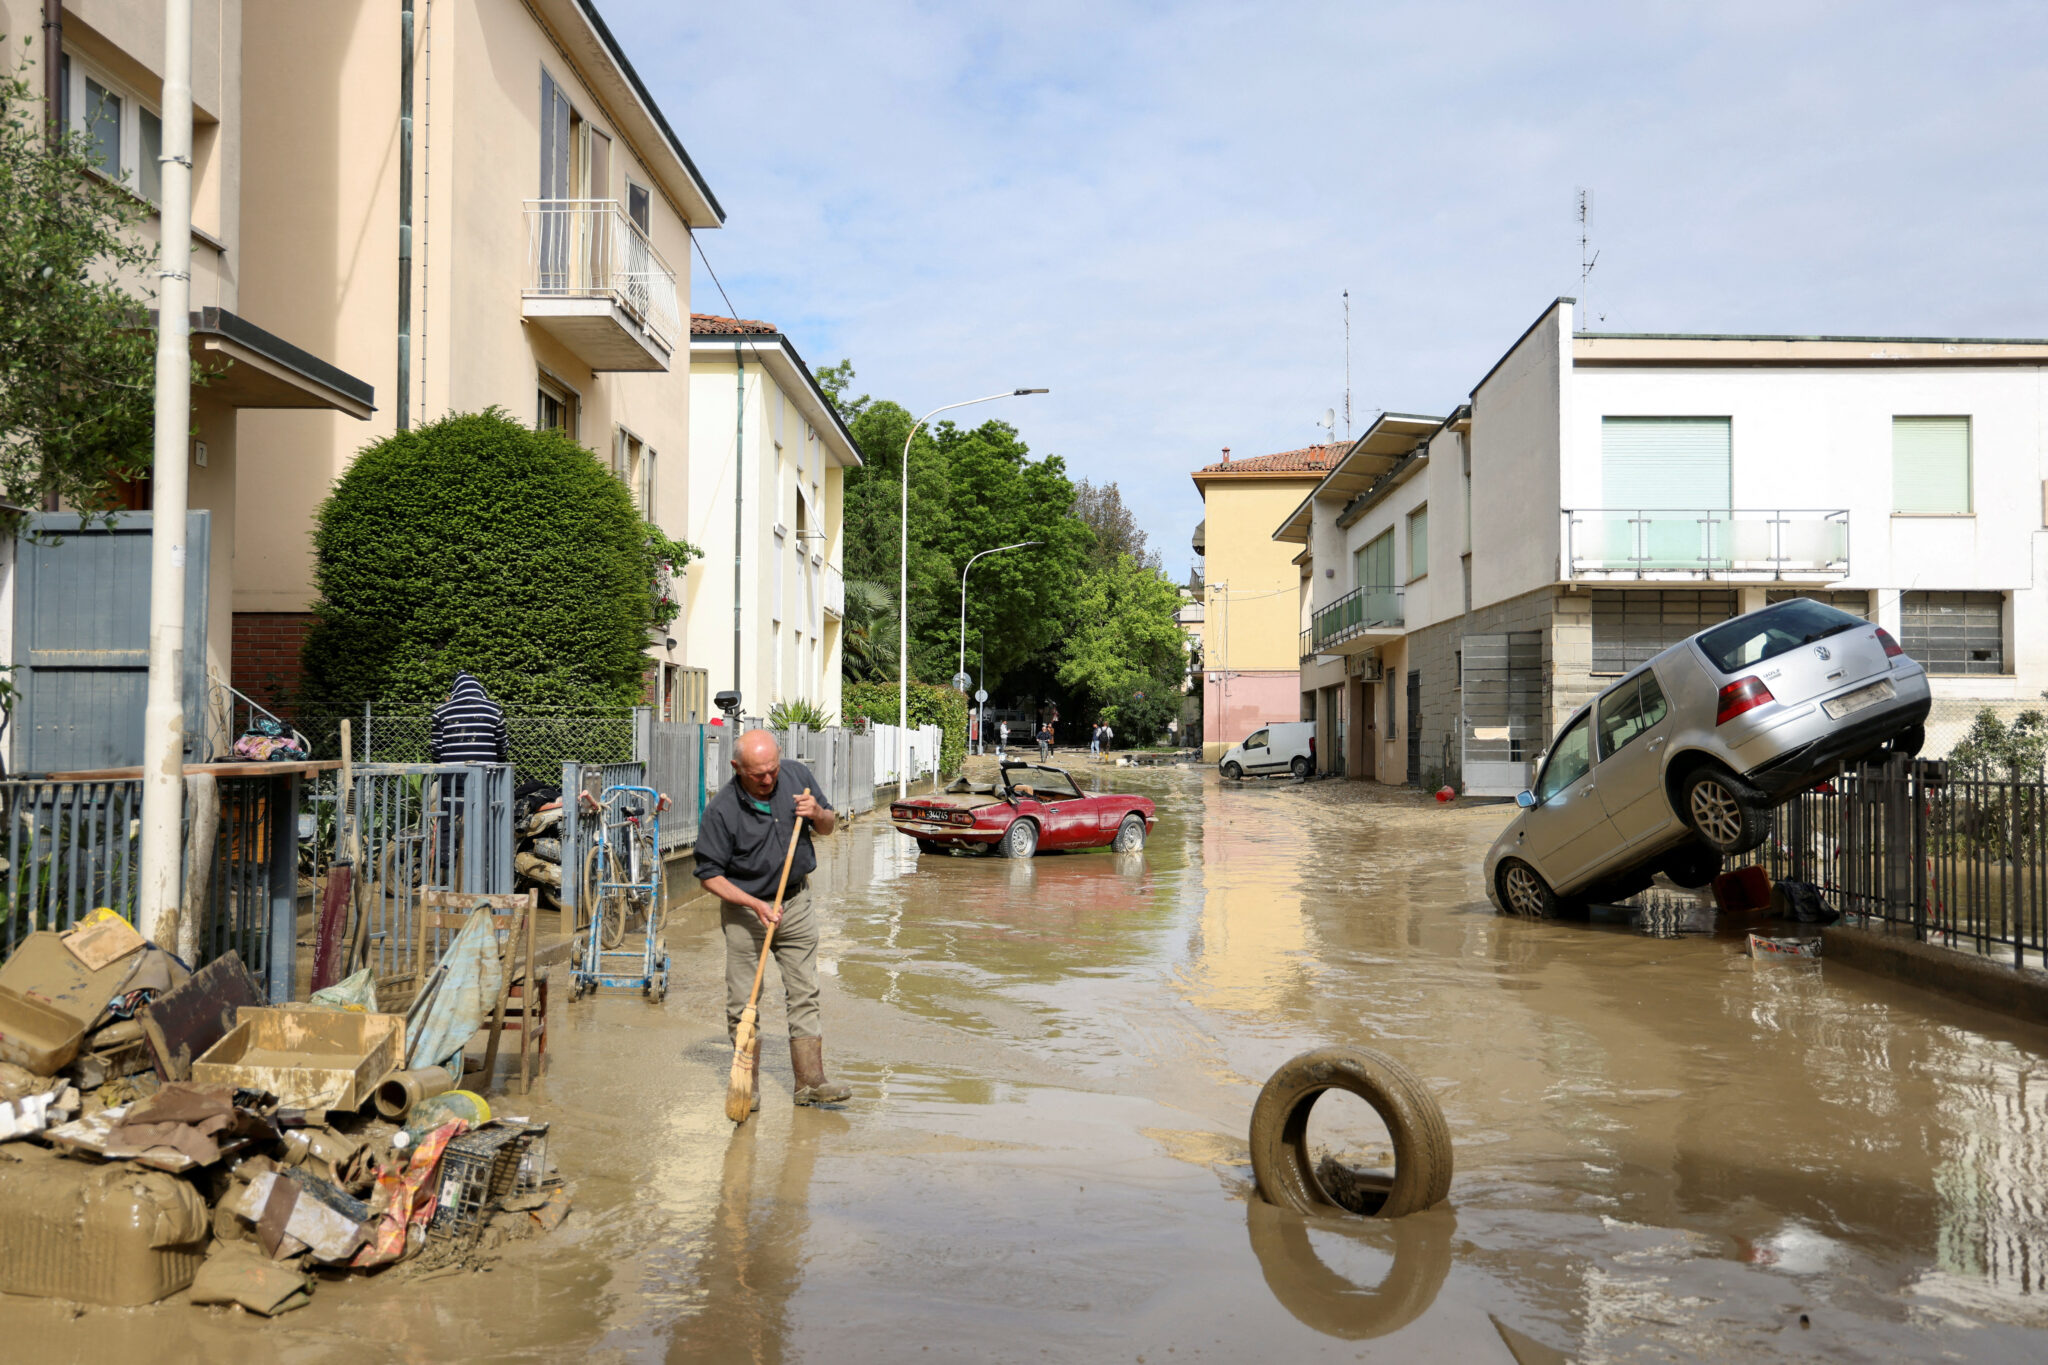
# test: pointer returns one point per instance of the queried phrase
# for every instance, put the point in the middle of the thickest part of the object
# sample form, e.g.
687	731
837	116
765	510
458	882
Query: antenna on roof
1587	257
1347	365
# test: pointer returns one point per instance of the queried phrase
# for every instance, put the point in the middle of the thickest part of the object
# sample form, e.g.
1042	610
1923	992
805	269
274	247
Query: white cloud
1152	209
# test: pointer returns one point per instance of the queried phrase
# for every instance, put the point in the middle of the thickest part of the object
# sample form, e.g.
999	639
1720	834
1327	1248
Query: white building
767	470
1470	581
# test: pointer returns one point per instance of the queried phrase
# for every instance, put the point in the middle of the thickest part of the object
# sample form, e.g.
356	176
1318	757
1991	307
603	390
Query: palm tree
868	632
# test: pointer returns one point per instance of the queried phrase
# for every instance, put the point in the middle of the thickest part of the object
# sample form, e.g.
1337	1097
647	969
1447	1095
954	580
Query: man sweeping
740	849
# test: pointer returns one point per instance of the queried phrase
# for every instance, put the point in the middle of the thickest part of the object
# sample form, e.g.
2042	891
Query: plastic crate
478	1169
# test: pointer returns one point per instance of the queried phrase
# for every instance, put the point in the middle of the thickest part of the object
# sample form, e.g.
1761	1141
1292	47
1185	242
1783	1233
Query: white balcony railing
1691	542
591	249
835	592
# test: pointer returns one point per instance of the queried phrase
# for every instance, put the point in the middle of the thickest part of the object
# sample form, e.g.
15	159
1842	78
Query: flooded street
1664	1150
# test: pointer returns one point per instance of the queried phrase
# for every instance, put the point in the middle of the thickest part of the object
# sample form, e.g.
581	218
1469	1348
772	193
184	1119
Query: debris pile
164	1129
537	830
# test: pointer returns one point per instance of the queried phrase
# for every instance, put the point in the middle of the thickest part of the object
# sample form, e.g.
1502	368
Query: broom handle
788	860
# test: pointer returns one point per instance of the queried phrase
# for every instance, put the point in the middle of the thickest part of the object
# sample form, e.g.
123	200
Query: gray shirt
746	845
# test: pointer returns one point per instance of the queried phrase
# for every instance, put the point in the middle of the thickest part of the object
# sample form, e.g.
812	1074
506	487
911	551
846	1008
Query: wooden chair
523	998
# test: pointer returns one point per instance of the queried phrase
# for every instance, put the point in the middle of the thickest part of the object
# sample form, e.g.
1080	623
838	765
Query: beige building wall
323	207
1251	633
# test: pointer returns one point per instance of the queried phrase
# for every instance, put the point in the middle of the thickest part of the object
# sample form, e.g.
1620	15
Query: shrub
787	713
929	705
474	542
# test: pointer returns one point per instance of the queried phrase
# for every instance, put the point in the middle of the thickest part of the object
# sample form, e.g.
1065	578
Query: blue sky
1154	209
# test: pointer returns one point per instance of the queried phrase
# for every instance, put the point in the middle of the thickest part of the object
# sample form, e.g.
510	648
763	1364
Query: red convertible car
1028	807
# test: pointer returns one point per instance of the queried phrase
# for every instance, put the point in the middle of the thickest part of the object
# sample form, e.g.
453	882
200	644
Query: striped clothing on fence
469	727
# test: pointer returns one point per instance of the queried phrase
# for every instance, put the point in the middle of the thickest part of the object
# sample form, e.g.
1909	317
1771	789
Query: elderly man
740	847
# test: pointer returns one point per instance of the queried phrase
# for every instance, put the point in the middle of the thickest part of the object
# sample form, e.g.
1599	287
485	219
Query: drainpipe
405	216
163	718
53	68
739	495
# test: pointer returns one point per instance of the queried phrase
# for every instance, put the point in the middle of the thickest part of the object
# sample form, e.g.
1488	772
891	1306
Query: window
1628	711
1372	564
1931	466
1772	632
631	463
125	139
555	138
780	555
638	205
1668	463
555	408
1631	628
1571	758
1465	569
1418	542
1954	632
1854	601
1256	740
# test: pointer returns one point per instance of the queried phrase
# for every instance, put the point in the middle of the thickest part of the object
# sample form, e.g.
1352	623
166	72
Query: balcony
835	592
1362	619
597	285
1694	544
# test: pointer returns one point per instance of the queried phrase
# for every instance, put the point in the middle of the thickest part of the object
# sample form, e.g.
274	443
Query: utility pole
163	716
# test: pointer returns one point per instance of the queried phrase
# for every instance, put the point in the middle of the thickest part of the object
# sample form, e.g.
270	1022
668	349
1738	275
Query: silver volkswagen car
1681	762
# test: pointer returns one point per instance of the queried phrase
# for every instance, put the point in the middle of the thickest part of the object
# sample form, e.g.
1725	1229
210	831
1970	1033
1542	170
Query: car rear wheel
1130	835
1524	892
1691	867
1299	767
1020	840
1232	771
1726	813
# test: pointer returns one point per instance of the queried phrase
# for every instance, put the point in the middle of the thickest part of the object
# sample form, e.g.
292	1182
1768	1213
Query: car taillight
1744	694
1892	648
961	818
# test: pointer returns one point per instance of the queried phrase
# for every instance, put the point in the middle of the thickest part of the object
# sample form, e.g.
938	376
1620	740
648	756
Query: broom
739	1087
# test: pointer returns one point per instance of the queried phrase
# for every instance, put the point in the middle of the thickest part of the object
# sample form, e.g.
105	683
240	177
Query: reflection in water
1323	1298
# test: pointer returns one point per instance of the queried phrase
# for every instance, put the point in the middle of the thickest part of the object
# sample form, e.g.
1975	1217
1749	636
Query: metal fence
538	744
73	847
1961	860
580	826
683	762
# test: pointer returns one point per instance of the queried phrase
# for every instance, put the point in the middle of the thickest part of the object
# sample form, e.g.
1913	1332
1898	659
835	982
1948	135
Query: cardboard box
35	1034
308	1058
43	969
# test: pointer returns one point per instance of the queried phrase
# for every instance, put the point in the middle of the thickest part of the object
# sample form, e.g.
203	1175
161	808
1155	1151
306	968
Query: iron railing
1688	542
1961	860
1356	612
591	248
1308	648
835	591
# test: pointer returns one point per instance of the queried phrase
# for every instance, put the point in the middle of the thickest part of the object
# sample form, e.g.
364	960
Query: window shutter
1418	541
1931	464
1666	463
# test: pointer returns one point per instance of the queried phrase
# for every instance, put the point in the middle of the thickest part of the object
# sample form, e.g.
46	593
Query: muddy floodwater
1665	1151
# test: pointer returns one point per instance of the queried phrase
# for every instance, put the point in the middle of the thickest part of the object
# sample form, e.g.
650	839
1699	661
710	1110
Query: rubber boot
807	1060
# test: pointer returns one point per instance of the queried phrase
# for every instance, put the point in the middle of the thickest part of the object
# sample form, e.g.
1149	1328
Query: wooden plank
302	767
186	1022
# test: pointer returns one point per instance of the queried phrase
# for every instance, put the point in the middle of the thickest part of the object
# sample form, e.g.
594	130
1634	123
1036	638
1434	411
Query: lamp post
903	591
1022	544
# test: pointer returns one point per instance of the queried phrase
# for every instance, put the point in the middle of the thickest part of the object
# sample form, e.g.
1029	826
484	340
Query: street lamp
903	591
1022	544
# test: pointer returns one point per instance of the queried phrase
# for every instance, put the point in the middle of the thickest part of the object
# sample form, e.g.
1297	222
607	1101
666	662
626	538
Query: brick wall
266	656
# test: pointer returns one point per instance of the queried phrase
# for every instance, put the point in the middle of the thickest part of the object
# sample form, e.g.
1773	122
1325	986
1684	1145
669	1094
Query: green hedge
475	542
930	704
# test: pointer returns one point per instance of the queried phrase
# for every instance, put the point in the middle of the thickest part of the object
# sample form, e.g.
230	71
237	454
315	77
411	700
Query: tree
77	358
835	380
1116	530
474	542
1126	654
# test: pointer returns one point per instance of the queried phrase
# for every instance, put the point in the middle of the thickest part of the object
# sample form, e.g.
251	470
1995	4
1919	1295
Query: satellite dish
1330	418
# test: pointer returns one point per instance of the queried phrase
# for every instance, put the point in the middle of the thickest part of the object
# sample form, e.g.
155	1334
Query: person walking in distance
1044	740
741	842
1095	741
1108	738
1002	738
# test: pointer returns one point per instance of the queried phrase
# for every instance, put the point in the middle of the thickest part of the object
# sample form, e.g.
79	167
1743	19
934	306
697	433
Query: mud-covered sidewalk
1665	1150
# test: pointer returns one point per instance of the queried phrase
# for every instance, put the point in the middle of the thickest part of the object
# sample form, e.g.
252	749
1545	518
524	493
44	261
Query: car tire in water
1524	892
1232	771
1130	835
1300	767
1020	840
1725	812
1692	866
1283	1165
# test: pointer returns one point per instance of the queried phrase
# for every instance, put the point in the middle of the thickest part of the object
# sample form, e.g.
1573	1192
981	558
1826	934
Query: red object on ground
1446	794
1743	890
327	947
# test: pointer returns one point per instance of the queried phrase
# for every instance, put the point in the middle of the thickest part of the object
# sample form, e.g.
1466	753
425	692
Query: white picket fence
915	751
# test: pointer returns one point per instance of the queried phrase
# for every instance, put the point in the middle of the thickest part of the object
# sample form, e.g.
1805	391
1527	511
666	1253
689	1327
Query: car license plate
1863	697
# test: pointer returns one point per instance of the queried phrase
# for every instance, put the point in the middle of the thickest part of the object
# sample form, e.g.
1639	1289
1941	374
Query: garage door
1502	726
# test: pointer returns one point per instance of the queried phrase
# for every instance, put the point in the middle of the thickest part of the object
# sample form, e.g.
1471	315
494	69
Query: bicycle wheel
614	927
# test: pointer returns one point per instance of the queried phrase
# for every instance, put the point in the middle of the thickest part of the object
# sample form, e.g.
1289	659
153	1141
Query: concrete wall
1239	702
1519	416
1252	608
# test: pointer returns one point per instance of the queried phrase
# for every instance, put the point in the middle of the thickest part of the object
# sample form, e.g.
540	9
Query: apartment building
1602	496
768	456
1251	672
536	258
74	613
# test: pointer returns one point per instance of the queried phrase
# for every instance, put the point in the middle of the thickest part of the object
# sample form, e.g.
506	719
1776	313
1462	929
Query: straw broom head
739	1088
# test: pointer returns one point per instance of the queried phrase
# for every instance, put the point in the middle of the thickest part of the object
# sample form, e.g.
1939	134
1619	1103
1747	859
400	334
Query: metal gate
1501	725
1414	690
81	630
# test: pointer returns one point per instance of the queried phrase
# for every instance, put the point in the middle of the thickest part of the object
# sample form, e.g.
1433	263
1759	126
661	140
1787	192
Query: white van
1287	746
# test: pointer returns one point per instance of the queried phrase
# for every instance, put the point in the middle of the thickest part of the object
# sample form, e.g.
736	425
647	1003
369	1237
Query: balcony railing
592	249
1692	542
1308	648
1356	613
835	591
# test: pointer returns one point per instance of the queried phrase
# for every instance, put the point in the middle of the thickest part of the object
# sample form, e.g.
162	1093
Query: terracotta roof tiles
713	325
1307	460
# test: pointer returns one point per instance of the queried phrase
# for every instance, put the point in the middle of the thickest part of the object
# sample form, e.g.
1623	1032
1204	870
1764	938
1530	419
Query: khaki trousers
796	958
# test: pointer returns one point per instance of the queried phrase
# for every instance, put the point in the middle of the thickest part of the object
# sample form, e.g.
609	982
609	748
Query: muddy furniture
523	1001
309	1058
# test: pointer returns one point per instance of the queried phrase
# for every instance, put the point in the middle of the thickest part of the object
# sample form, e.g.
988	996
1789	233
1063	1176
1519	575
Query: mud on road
1664	1149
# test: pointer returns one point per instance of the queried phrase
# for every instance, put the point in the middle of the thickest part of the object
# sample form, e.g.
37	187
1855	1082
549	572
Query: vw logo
1821	652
